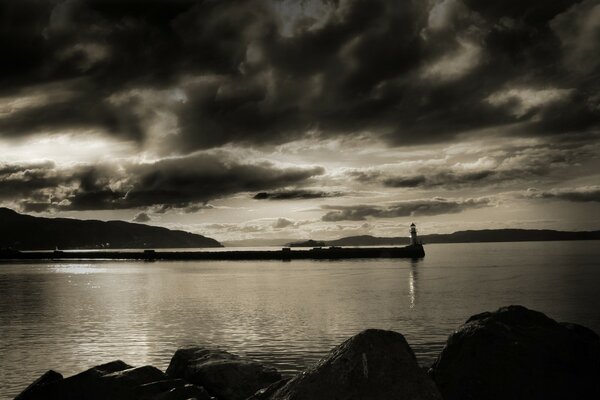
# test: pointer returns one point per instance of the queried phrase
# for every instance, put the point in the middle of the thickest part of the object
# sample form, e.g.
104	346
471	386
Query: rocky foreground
512	353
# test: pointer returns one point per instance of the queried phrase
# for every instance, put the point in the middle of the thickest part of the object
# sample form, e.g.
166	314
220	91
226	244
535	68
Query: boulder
149	390
517	353
171	389
116	381
74	387
185	392
373	365
48	377
266	393
224	375
126	384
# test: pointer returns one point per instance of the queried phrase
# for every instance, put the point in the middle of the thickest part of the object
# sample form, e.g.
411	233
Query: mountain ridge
467	236
26	232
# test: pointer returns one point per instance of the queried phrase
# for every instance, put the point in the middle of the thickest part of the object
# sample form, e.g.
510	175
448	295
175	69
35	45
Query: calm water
73	315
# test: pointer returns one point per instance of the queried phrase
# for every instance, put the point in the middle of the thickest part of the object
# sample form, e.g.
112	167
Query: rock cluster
225	375
114	380
374	364
516	353
512	353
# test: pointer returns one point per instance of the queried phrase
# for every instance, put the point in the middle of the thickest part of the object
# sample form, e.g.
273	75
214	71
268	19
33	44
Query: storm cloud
295	194
582	194
28	179
142	217
249	73
184	182
487	167
412	208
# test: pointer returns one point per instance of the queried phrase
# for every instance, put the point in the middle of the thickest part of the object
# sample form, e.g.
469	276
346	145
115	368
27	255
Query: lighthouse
413	235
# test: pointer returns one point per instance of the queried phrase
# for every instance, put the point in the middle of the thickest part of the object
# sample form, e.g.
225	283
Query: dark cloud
536	13
142	217
80	111
282	223
435	206
408	72
186	208
185	183
448	179
99	48
579	32
202	178
580	194
512	164
386	68
23	179
295	194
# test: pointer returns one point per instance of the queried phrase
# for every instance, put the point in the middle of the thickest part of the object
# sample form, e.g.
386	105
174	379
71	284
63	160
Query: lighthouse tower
413	234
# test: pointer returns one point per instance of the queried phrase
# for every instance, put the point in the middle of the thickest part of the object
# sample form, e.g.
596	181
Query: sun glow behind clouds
66	149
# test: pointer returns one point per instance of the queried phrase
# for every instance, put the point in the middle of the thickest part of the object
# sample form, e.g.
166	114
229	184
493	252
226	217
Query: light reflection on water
412	278
70	316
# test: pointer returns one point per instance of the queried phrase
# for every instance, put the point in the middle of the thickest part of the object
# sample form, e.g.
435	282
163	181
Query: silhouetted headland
512	353
24	232
471	236
308	243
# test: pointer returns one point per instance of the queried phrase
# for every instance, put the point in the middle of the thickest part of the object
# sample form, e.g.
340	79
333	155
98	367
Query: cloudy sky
295	119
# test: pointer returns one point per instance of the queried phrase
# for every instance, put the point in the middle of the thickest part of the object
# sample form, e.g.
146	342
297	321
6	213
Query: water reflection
413	277
75	268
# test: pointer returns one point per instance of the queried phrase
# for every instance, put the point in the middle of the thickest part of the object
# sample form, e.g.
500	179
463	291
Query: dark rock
48	377
149	390
266	393
224	375
126	384
75	387
171	389
103	369
516	353
185	392
116	381
373	365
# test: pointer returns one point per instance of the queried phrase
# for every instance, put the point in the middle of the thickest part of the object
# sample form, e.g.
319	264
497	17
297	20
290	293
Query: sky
277	119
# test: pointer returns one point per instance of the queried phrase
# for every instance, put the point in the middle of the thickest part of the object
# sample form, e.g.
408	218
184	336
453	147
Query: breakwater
318	253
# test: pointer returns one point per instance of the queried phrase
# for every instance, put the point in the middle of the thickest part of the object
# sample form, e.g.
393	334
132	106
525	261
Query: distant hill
367	240
24	232
509	235
472	236
362	240
257	242
307	243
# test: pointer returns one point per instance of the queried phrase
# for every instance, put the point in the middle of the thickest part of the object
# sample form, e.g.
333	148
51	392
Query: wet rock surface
373	365
224	375
47	378
517	353
269	391
115	380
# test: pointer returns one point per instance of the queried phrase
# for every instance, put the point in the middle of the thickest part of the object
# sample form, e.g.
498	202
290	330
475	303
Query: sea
70	316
